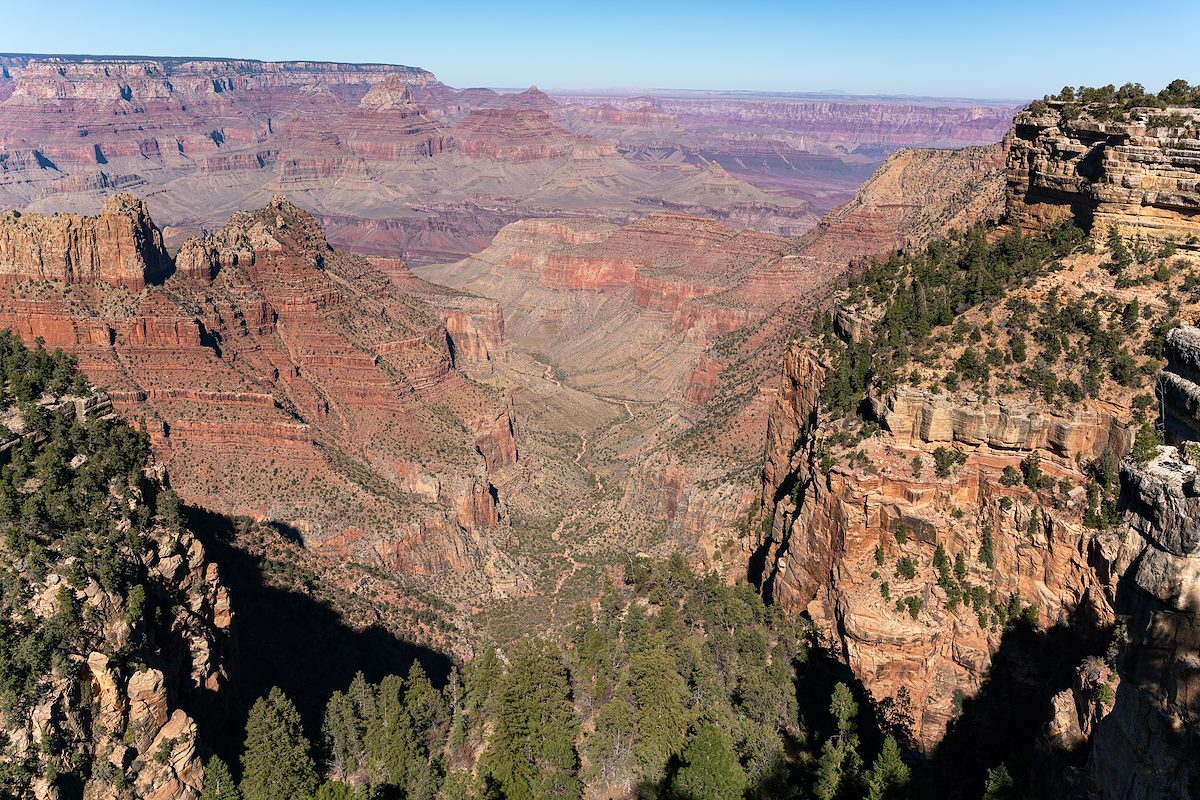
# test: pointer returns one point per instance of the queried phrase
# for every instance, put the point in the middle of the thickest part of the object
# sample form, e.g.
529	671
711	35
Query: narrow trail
548	374
556	534
583	443
583	512
617	401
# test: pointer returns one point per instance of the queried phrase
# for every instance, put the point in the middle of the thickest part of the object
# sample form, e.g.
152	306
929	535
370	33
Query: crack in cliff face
1145	576
1148	746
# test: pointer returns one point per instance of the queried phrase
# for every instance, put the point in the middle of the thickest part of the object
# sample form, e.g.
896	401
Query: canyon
393	162
474	354
647	353
458	436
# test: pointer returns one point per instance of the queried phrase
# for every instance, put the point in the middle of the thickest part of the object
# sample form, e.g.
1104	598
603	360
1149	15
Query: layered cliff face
840	533
1139	175
514	135
595	297
915	196
386	148
117	632
387	125
960	543
121	246
269	363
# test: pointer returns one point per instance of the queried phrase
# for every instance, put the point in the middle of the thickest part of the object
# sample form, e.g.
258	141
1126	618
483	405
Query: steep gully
641	307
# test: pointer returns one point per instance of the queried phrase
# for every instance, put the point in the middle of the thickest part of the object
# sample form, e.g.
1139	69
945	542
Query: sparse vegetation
1116	104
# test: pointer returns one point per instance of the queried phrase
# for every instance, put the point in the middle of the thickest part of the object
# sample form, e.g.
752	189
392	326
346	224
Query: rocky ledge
1142	176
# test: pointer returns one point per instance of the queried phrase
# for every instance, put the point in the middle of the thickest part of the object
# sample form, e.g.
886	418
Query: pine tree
390	741
709	768
430	723
830	766
343	735
334	790
889	774
218	781
610	746
276	762
660	695
844	708
839	762
531	753
480	679
455	695
427	708
1145	444
999	785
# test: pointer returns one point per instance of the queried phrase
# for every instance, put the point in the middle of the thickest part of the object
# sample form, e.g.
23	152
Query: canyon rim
367	436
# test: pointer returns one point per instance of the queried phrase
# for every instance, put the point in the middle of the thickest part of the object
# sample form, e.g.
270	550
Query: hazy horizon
580	91
941	49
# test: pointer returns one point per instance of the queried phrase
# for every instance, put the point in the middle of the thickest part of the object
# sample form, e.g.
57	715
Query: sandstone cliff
121	246
837	531
1139	175
146	650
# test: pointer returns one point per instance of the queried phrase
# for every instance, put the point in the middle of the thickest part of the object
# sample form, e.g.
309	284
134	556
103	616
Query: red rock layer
388	126
270	363
514	135
667	261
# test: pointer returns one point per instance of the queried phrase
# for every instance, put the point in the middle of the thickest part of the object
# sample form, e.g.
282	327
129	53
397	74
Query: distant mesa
399	164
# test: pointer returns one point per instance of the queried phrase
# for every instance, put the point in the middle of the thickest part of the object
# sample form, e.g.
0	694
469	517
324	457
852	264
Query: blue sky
1018	49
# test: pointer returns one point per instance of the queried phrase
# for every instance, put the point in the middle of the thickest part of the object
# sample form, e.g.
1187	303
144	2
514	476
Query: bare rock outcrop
1141	175
1149	745
513	135
120	246
1179	385
917	417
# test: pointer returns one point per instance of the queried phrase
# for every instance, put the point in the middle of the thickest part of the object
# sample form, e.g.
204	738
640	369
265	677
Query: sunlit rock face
1142	177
